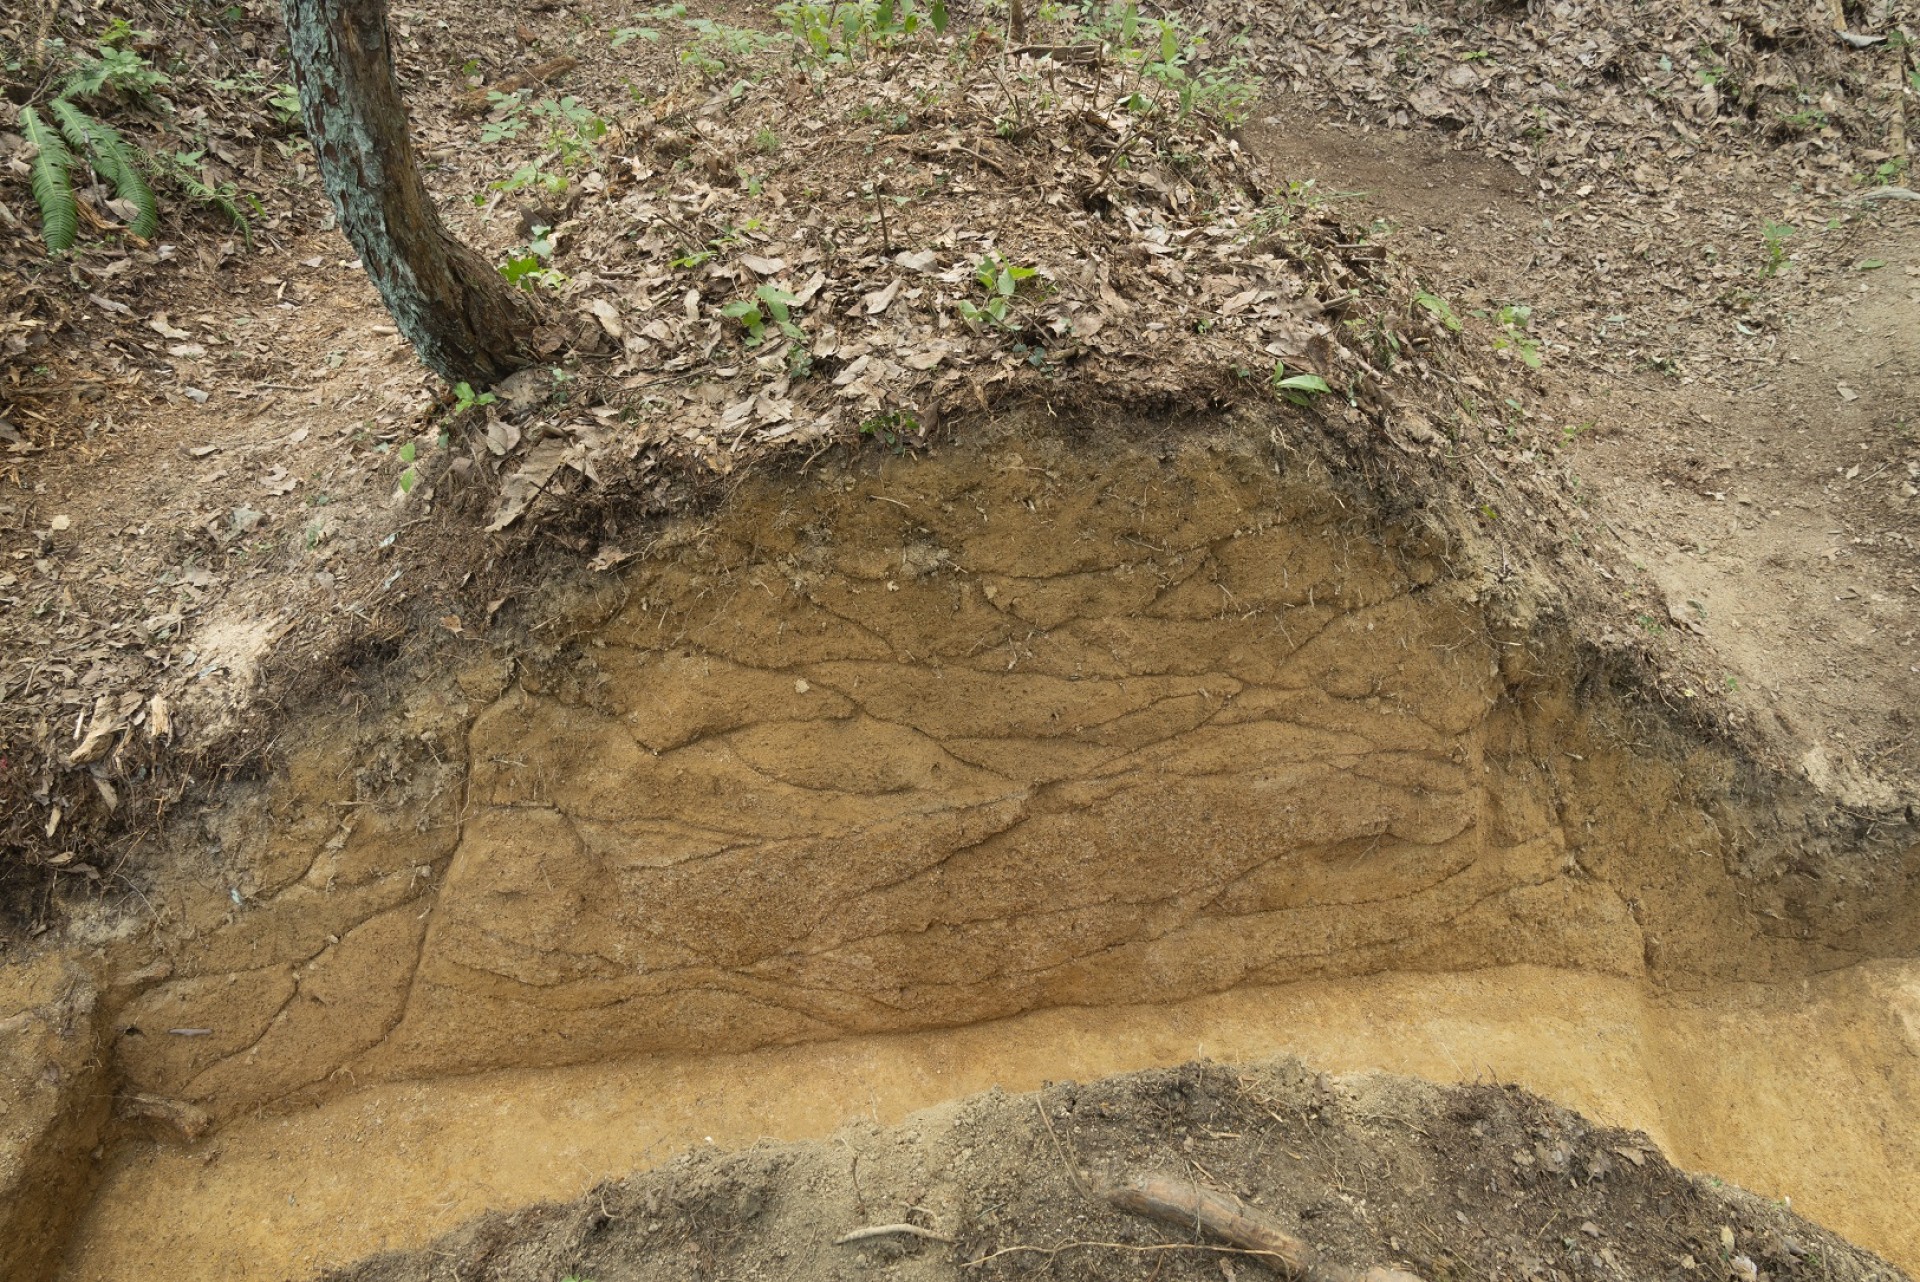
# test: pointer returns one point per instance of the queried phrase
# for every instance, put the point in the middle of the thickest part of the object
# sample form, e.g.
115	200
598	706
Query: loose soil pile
1477	1181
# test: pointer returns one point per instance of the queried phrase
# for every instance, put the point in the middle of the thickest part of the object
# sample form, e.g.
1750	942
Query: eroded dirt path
1771	490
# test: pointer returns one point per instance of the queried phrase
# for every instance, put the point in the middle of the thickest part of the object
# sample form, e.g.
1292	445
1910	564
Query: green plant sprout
1441	309
465	398
1775	236
1297	389
769	305
1513	336
833	34
651	34
525	270
1001	281
1165	59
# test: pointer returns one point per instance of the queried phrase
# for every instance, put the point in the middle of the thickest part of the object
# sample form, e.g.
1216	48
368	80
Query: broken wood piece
1184	1204
475	102
890	1230
189	1120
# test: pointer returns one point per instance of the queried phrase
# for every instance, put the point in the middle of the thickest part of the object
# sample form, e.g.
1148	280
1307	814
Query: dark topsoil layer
1481	1181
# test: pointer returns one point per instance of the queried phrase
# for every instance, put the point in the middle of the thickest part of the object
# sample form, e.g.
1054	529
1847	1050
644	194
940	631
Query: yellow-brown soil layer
1798	1090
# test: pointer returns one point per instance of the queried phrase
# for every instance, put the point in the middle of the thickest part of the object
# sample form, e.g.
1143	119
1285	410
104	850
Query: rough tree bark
463	319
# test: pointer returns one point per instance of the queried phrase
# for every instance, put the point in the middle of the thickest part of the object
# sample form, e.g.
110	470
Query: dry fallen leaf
502	436
609	317
607	558
520	489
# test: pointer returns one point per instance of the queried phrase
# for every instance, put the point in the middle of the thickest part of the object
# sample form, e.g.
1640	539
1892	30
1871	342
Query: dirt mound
1468	1181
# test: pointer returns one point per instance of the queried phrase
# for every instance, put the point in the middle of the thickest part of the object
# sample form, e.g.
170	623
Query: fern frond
87	80
222	198
113	160
52	184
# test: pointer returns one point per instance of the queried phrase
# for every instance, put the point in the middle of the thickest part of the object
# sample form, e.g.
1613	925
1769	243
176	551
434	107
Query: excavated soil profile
904	777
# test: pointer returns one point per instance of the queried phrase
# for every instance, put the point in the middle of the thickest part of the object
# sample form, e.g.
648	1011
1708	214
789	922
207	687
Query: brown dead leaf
609	317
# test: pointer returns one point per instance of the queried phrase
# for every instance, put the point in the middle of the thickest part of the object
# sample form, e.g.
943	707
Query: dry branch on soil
1185	1204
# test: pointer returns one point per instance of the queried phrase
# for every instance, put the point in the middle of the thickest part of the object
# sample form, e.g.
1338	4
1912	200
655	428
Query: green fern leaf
113	160
222	198
52	184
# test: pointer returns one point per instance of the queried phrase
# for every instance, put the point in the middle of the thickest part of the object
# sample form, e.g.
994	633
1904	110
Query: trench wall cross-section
927	742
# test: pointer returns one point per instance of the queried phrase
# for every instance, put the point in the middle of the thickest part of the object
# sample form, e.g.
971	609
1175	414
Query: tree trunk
463	319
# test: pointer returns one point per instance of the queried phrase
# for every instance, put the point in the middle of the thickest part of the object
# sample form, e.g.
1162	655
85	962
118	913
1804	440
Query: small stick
1188	1205
1061	1149
890	1230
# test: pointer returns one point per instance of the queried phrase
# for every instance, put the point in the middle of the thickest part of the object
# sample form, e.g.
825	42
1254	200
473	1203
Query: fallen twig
1184	1203
1145	1248
890	1230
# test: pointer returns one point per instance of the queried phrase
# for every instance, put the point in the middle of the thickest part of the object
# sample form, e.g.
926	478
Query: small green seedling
1775	235
1514	337
1297	389
845	30
465	398
1001	281
1442	310
768	306
525	270
408	478
891	429
666	13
